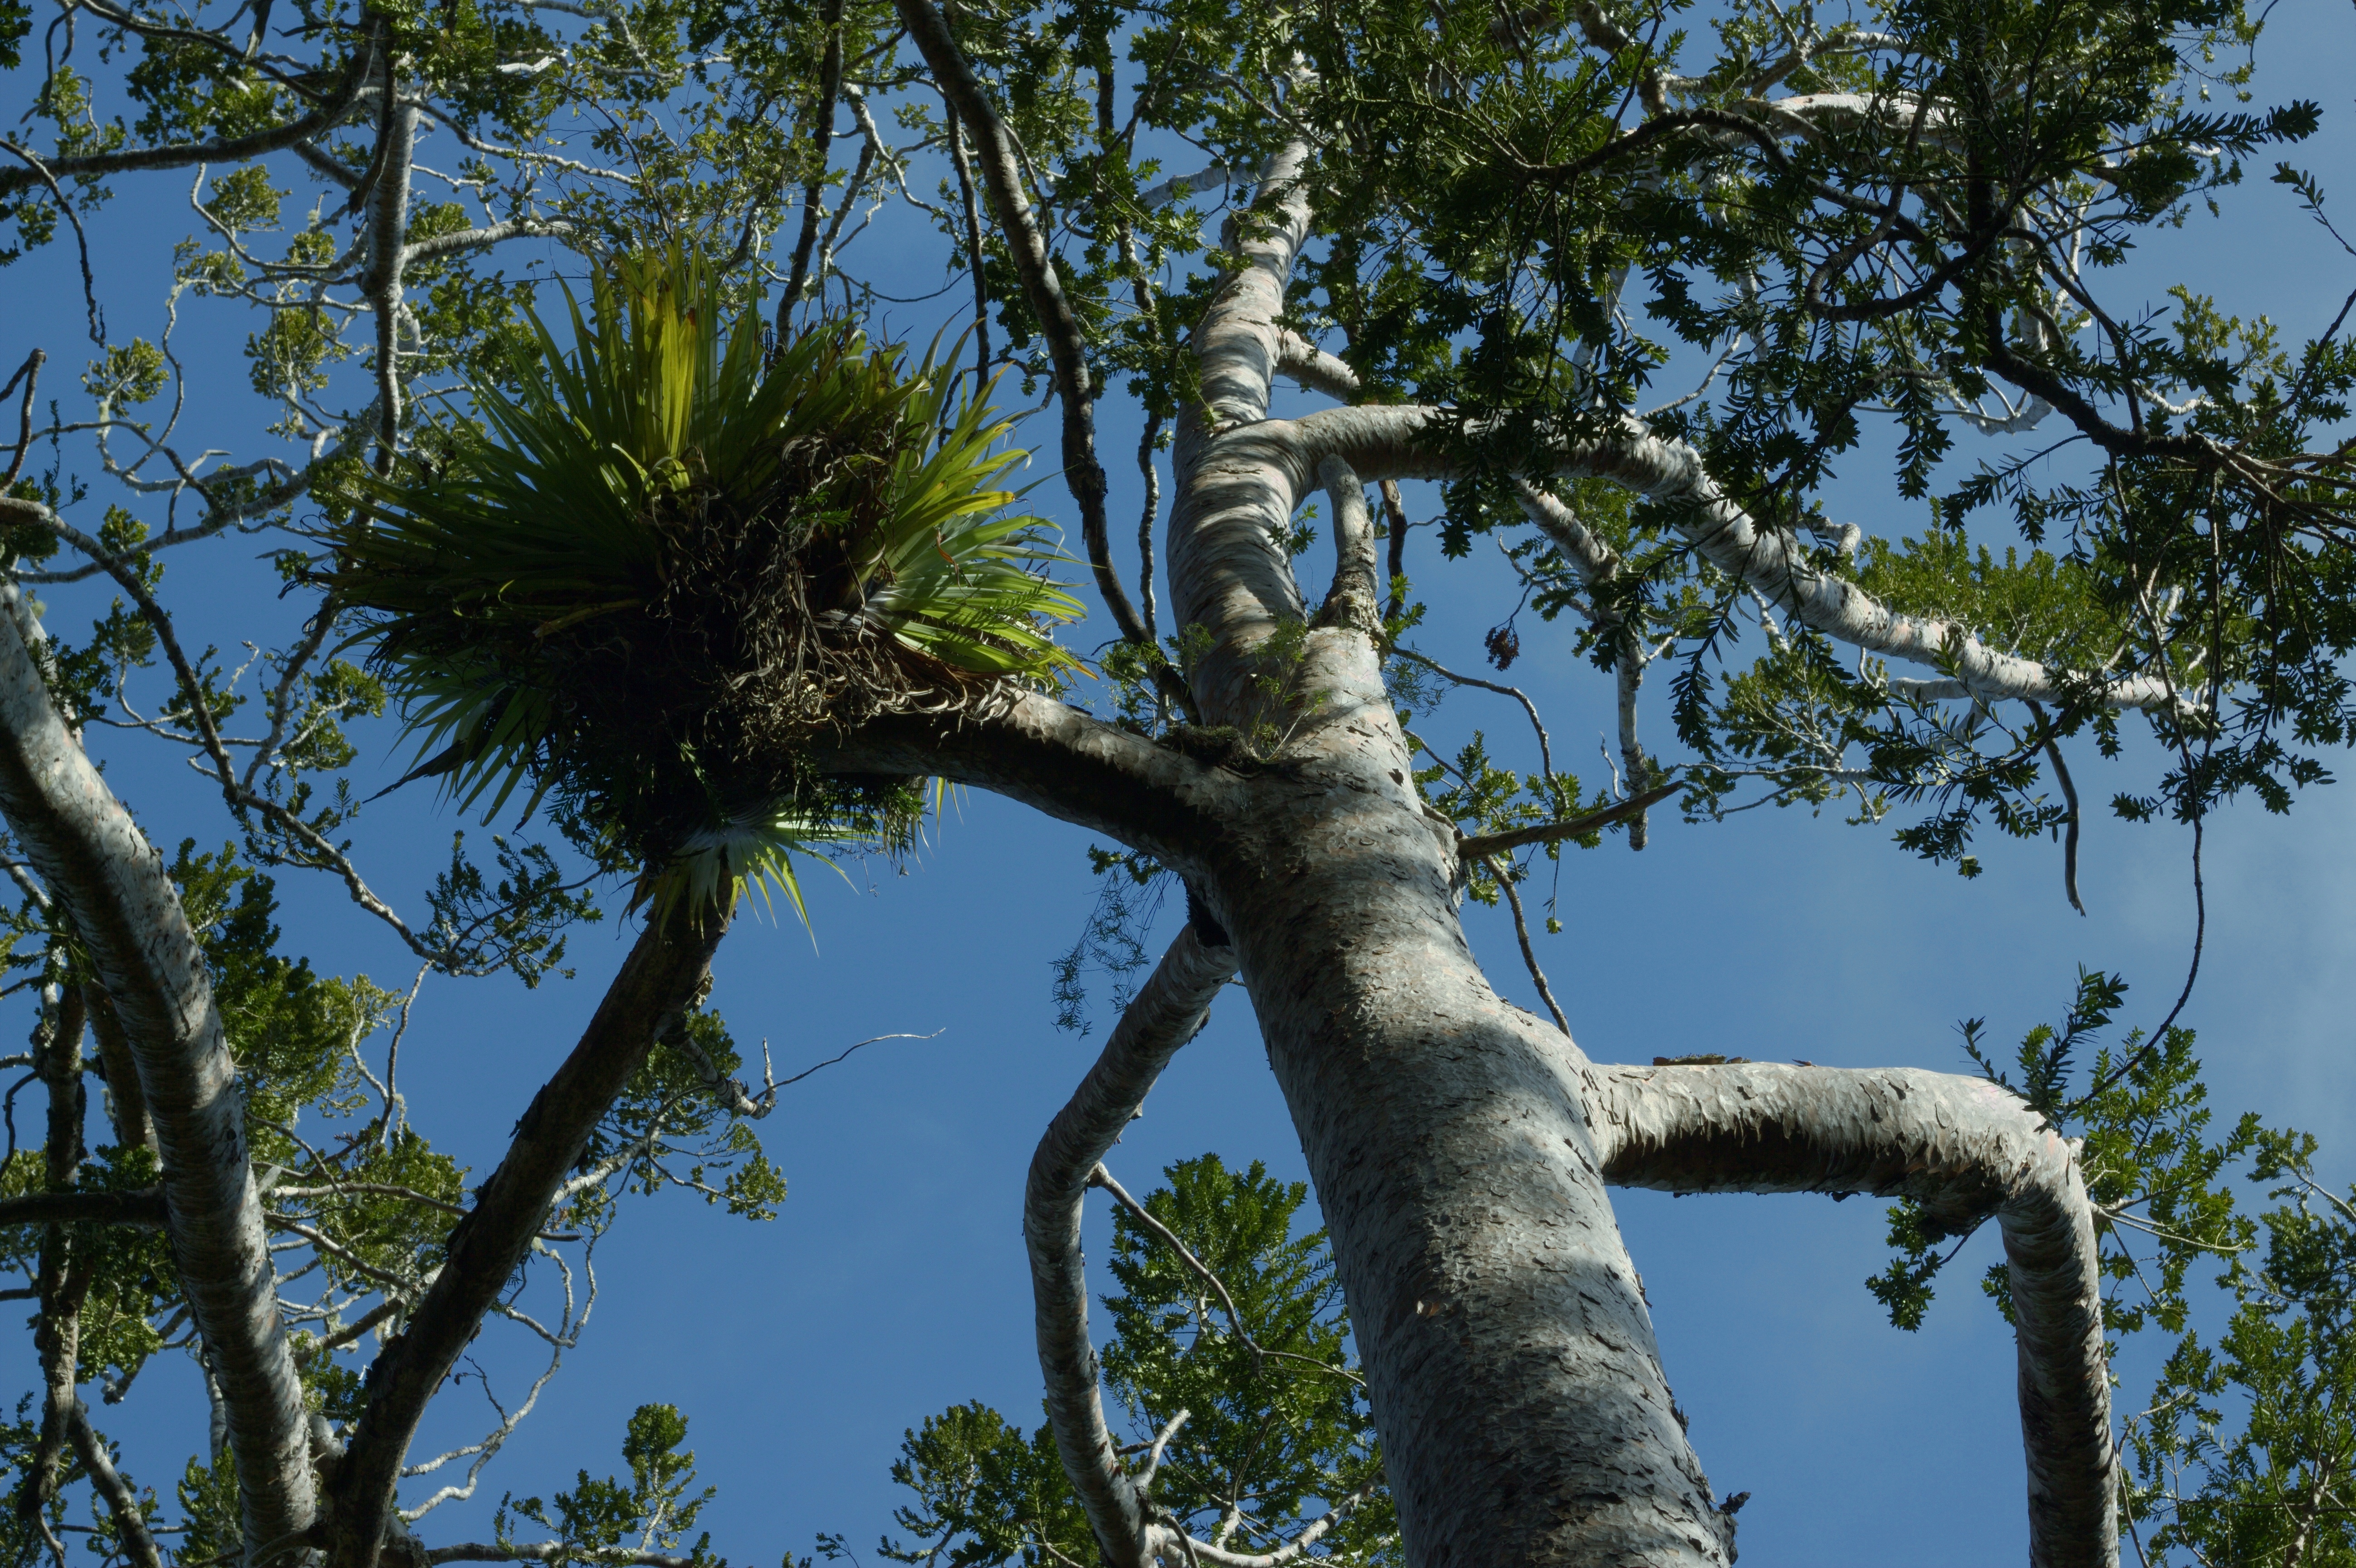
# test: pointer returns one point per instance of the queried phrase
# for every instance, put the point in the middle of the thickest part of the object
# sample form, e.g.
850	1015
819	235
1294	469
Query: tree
1448	222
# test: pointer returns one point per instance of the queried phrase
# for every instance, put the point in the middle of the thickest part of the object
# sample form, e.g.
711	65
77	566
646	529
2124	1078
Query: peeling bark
662	975
1964	1149
124	909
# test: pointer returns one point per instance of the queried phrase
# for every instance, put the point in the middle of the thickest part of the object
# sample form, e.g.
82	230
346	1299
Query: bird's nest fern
675	559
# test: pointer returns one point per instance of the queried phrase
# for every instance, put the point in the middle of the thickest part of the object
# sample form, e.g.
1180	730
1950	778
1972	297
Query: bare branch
1355	599
1401	442
1481	847
1315	368
1502	869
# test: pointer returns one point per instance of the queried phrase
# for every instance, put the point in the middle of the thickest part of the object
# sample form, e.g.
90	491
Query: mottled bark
1965	1149
1166	1014
1508	1350
128	916
662	975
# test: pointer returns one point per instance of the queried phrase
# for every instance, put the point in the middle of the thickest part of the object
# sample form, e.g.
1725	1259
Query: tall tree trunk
1508	1349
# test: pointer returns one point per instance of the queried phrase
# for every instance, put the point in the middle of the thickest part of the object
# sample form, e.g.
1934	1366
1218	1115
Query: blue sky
892	1283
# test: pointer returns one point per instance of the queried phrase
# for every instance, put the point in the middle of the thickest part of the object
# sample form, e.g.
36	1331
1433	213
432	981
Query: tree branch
128	916
829	88
1001	170
1401	442
1049	755
1352	600
1963	1148
146	1206
122	1502
1482	846
661	977
1315	368
223	150
1599	564
556	1552
1167	1012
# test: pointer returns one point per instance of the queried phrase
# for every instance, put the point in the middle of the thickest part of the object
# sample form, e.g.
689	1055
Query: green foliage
1276	1427
652	1512
2238	1453
675	556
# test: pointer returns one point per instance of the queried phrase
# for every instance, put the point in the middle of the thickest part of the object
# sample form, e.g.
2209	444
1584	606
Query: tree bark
128	916
662	975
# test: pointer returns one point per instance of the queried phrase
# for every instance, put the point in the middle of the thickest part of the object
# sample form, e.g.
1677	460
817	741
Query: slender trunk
125	1105
61	1275
1167	1013
129	918
662	977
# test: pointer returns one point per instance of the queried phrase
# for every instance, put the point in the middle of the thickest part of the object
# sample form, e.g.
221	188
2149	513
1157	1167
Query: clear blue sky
892	1283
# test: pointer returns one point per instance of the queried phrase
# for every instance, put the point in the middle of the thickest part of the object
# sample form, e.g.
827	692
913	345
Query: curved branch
1407	442
1051	756
662	976
95	860
1167	1012
1963	1148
